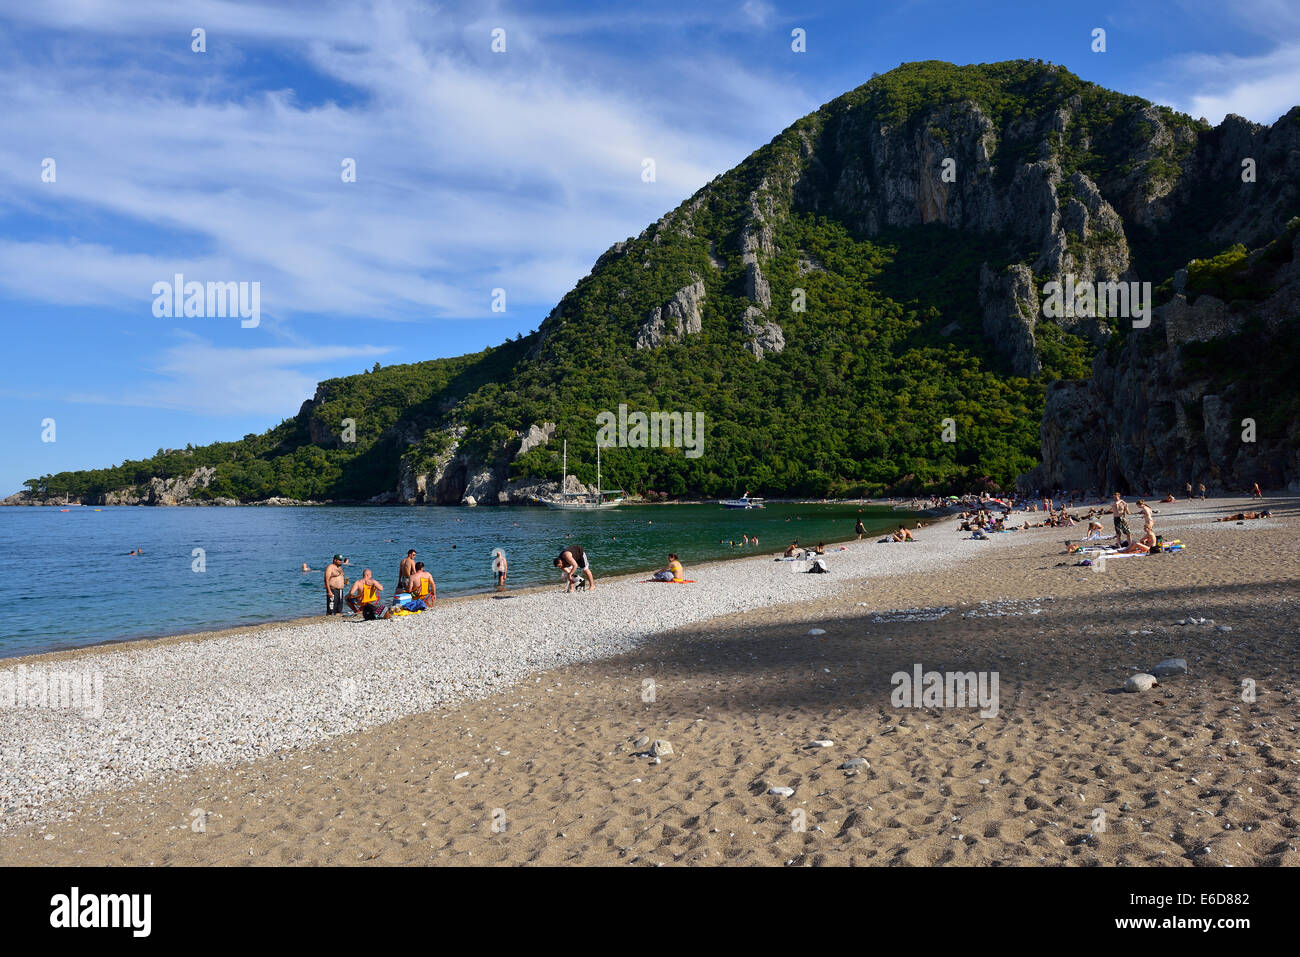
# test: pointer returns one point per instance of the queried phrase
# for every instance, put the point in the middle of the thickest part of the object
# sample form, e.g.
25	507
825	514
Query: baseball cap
338	558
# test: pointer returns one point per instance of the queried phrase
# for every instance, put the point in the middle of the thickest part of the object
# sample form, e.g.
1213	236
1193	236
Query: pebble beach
668	724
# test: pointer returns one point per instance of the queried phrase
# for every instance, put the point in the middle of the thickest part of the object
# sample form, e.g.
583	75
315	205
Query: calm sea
71	581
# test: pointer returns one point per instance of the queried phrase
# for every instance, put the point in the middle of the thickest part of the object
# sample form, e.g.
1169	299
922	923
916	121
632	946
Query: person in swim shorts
423	587
573	560
334	582
364	597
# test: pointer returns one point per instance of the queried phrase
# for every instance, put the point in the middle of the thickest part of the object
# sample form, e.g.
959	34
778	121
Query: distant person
820	549
573	560
1189	489
1148	523
903	535
364	597
499	568
791	549
305	568
335	580
1201	487
1244	516
1255	491
860	530
1119	508
405	570
423	587
672	573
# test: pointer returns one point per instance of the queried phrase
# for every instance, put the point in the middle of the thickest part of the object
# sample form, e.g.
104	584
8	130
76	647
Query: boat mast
564	478
598	495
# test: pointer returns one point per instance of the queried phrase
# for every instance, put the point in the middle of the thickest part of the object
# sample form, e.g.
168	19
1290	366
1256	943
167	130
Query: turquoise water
71	581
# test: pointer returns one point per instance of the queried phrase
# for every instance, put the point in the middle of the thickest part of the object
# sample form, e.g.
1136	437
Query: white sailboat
586	503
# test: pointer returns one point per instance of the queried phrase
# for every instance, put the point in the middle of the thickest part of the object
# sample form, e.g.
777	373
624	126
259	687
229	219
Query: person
1168	498
672	573
423	587
499	568
364	597
1255	491
573	560
1244	516
1094	530
1119	508
1201	487
1189	489
791	549
334	582
903	535
405	570
820	549
1135	548
1148	523
305	568
860	529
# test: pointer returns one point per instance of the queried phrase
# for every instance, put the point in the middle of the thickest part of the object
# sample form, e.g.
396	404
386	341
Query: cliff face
1205	394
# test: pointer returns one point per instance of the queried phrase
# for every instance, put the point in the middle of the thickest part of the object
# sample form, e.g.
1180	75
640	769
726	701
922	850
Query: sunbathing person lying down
1243	516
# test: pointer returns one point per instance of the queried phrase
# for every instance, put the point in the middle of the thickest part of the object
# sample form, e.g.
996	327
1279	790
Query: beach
518	729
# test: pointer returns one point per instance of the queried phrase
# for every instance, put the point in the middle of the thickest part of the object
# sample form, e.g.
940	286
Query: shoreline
932	571
741	694
176	704
220	630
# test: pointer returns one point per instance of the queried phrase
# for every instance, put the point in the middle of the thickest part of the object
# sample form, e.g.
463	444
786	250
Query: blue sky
475	170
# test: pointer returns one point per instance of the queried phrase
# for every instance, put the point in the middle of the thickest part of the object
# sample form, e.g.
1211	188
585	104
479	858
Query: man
334	582
423	587
1256	491
500	568
1148	524
364	597
405	570
903	535
1119	508
1189	490
572	560
1201	487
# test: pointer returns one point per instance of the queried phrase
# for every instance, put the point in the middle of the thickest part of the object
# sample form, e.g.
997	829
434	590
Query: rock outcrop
680	317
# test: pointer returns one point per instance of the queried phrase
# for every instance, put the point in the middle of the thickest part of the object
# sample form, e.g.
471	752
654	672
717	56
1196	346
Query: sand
1069	771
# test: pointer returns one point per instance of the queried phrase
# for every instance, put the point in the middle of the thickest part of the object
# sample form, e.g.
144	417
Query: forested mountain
858	307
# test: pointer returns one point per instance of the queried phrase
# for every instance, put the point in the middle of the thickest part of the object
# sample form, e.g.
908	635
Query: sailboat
587	503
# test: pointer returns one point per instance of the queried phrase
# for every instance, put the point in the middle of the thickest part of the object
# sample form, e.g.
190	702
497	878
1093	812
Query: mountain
871	282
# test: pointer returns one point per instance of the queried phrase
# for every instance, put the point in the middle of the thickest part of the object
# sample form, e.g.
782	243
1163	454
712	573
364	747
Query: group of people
364	598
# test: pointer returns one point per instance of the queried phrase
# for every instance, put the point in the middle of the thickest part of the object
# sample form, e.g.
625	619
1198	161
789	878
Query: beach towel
669	581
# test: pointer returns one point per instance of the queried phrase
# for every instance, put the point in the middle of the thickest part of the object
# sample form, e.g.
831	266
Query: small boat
588	503
743	502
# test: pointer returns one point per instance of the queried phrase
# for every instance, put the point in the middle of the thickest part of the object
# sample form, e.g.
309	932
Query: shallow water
71	581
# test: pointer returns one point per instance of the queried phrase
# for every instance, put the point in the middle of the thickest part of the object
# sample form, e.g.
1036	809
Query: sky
482	175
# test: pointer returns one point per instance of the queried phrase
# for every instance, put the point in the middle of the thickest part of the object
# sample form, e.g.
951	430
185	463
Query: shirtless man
422	586
364	597
1119	508
903	535
1148	524
573	560
405	570
334	582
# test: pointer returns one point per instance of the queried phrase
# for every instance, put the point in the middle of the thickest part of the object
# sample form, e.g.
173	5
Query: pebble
660	748
817	631
1170	666
462	774
642	742
1141	682
854	764
781	792
821	744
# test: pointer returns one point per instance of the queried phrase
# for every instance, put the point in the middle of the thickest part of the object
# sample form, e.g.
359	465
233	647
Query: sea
72	581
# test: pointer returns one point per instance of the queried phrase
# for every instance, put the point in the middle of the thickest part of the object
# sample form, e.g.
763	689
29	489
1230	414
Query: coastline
219	629
528	731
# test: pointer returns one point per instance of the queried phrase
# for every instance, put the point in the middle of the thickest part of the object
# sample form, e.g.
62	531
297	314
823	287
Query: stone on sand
1170	666
1141	682
781	791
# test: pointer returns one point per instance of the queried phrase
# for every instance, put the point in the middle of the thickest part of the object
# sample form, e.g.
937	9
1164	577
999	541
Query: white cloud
474	170
1260	88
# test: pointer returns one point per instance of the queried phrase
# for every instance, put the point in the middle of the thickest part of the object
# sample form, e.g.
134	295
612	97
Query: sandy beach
516	730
